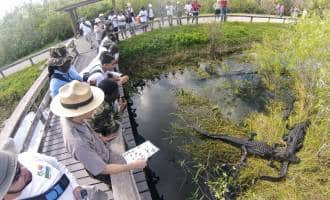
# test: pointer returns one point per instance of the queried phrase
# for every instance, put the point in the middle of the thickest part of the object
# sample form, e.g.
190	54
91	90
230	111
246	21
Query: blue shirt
55	84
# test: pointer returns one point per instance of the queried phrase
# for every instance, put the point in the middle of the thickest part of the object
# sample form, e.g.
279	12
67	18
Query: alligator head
281	155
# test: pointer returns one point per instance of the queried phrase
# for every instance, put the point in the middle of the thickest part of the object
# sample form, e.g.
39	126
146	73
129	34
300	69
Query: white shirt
187	8
98	76
98	29
114	20
150	12
169	10
121	20
143	15
86	29
46	171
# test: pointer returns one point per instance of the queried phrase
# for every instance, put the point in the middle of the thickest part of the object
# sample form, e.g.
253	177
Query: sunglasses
17	173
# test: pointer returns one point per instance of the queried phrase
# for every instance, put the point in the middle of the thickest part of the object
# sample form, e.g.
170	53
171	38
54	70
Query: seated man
107	120
35	176
106	70
60	69
76	103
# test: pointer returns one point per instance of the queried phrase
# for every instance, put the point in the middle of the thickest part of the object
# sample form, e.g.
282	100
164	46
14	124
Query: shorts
195	13
151	18
217	11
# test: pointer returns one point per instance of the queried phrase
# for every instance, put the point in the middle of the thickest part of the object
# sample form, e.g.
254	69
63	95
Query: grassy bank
282	54
305	65
150	54
14	87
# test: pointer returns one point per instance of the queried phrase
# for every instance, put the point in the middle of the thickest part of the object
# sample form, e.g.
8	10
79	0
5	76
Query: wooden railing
30	109
69	43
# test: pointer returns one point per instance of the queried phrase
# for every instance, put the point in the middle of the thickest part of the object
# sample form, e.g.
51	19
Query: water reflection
155	101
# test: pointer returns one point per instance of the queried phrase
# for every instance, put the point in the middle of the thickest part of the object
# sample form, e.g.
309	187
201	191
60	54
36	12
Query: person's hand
76	193
92	82
122	104
108	138
139	164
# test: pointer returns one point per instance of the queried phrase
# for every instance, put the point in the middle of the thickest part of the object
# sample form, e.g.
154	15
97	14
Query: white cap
101	15
97	20
150	5
128	4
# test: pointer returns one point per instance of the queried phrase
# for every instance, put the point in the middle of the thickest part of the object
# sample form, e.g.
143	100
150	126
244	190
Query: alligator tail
282	175
205	133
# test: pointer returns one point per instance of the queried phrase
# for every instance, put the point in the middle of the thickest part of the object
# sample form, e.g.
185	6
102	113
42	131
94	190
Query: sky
9	5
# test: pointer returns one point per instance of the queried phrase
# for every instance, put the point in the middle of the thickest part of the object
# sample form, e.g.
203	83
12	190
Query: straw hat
75	99
8	162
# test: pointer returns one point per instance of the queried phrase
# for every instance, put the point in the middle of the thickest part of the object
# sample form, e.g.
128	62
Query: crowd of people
90	108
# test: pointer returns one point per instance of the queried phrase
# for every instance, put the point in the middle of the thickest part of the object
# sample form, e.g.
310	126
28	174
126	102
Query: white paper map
142	151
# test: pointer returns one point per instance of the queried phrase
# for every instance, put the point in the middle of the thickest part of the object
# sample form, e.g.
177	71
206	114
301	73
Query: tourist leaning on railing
35	176
60	69
75	103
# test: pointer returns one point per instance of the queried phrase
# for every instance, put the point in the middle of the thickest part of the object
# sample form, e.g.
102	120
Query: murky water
237	95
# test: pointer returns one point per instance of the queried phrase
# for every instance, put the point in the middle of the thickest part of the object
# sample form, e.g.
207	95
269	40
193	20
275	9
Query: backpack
86	75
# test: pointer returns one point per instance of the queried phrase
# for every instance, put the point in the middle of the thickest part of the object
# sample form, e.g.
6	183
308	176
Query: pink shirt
223	3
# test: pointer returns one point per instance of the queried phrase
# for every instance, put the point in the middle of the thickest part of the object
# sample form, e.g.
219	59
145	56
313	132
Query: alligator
260	149
294	142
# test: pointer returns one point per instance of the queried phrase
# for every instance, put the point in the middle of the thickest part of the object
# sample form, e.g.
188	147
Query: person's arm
118	168
74	74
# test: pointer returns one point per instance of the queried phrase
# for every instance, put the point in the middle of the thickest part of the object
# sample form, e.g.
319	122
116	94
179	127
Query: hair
108	86
51	70
106	57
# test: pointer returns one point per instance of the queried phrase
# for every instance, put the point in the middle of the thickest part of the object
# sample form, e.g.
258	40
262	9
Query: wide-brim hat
75	99
8	163
59	61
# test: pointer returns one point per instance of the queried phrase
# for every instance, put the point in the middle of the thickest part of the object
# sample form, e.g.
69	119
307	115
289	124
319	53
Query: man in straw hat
75	103
60	69
35	176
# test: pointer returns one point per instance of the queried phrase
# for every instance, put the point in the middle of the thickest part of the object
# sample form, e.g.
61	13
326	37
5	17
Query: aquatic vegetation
297	60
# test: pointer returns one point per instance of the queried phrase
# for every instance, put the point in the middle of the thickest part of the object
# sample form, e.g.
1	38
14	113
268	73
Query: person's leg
225	17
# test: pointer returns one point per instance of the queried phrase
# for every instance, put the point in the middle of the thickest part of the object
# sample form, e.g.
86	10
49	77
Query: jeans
224	14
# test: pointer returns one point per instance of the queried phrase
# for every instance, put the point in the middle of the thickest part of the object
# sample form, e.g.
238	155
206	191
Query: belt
54	192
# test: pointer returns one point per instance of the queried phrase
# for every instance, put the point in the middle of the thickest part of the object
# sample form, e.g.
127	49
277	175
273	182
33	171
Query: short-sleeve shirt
85	145
98	76
143	16
55	84
45	171
169	10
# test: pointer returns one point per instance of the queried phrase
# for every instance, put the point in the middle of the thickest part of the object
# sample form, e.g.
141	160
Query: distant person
281	10
143	18
114	21
151	16
60	69
86	28
195	8
162	13
187	9
75	104
179	12
98	30
122	24
224	10
35	176
217	9
130	21
304	13
277	9
169	12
